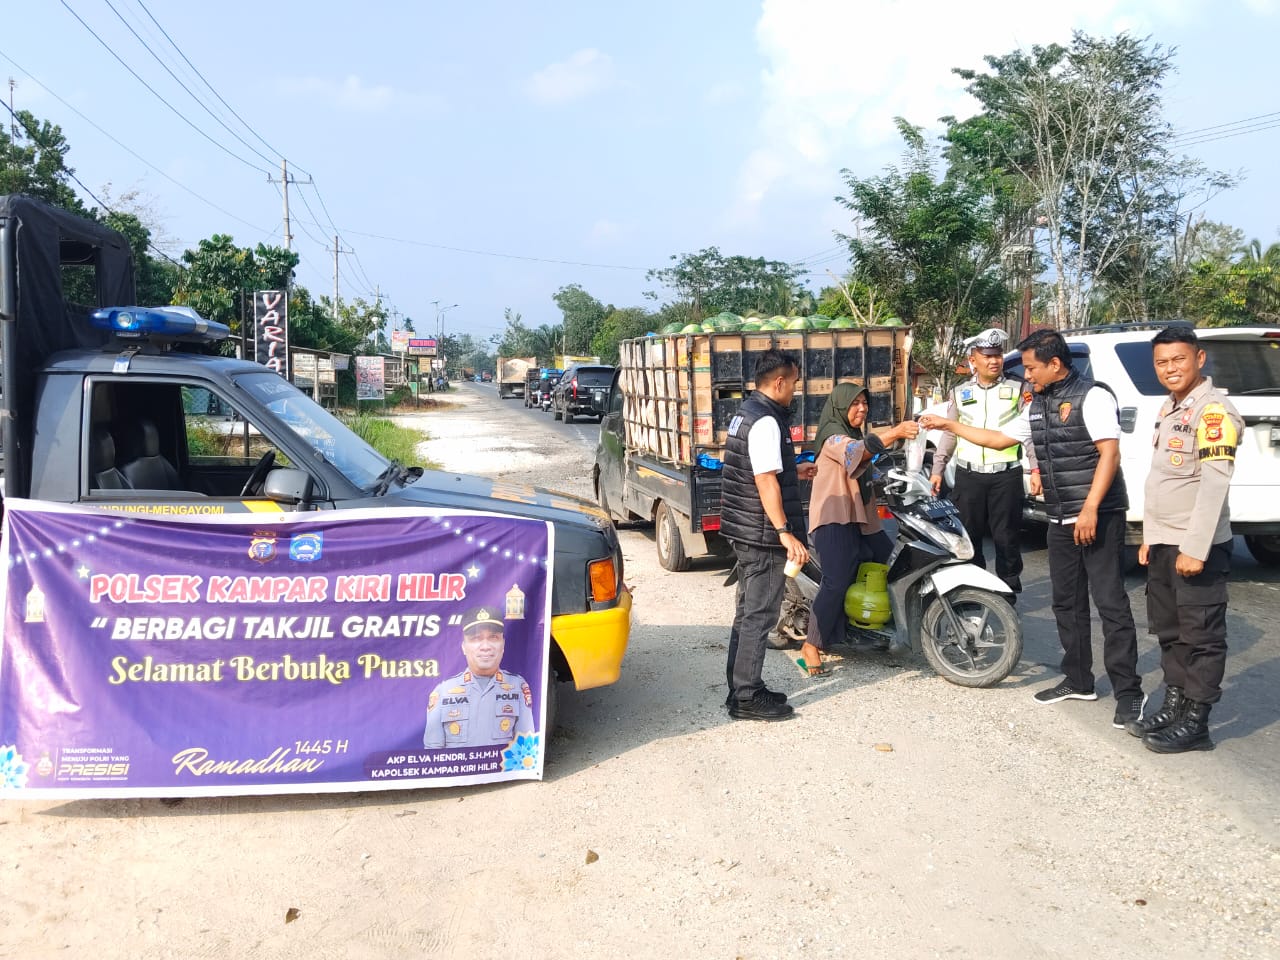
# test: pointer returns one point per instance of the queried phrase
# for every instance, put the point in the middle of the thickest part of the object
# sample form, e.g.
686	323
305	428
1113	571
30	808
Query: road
898	816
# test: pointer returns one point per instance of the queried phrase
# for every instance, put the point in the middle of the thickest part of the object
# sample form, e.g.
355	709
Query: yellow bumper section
593	643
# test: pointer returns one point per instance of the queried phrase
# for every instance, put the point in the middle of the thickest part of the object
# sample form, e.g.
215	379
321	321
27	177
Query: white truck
512	373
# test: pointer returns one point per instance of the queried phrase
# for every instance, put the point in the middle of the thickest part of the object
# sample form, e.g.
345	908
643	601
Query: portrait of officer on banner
482	706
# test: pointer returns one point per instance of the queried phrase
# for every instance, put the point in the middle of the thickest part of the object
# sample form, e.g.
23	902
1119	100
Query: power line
106	46
1192	134
1228	134
178	80
127	149
175	46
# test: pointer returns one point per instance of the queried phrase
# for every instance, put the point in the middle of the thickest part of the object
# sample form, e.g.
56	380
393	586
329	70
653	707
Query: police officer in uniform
482	706
988	489
1186	543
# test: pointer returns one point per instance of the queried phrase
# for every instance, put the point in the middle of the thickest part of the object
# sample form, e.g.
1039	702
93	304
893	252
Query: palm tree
546	342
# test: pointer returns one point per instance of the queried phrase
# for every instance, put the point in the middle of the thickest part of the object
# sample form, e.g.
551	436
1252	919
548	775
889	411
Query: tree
583	315
546	342
220	277
34	163
706	283
1082	128
515	340
928	249
620	325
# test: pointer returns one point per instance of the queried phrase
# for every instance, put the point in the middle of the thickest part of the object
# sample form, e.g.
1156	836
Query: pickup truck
128	409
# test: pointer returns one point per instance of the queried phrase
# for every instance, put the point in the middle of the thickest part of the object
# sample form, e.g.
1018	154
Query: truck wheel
666	533
555	411
568	417
1265	548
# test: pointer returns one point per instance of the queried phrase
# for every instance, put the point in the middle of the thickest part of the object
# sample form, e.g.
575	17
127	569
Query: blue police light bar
161	322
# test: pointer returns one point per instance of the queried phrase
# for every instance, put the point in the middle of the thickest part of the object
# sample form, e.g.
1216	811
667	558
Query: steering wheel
258	476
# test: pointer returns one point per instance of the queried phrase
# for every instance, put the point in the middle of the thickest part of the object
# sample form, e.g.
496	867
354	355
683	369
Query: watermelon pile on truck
673	394
79	401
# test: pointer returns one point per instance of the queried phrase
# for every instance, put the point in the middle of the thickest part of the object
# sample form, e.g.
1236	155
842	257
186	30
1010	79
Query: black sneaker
1064	691
761	707
777	696
1129	707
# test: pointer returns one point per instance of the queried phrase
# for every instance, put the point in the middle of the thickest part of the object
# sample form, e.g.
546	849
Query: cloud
824	110
604	233
355	95
584	73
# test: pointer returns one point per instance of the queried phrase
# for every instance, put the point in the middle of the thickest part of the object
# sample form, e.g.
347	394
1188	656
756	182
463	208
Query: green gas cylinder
866	602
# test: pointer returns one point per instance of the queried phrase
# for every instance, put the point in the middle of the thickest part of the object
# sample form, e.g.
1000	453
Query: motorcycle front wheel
985	648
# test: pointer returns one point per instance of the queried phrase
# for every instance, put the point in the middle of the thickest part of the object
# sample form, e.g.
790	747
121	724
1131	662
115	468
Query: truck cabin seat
148	470
102	462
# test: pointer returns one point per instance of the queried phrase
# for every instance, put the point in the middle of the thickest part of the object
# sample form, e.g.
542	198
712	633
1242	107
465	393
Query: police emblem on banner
262	547
306	547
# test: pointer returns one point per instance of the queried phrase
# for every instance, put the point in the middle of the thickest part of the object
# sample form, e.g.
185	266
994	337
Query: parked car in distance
583	391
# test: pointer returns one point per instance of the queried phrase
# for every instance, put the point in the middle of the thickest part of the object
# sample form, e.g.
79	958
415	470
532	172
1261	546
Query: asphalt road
1246	724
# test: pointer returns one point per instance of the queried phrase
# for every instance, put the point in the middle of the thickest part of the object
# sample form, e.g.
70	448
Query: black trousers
1188	615
761	583
1097	569
991	503
840	548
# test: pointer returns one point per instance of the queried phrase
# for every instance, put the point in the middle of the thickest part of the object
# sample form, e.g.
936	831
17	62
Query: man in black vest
762	516
1075	426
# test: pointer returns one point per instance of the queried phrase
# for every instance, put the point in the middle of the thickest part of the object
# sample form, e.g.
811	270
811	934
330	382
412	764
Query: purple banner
348	650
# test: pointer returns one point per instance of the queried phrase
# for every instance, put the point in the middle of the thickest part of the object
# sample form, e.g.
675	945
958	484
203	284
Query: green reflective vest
989	408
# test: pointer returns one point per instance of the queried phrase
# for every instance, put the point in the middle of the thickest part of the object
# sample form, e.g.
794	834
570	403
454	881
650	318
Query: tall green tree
34	162
707	282
583	315
622	324
928	248
220	277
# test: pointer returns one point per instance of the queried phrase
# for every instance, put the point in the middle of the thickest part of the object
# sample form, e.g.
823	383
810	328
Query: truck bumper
593	643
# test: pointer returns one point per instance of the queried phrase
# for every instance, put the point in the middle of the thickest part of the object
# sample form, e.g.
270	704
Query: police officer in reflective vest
1186	542
988	488
482	706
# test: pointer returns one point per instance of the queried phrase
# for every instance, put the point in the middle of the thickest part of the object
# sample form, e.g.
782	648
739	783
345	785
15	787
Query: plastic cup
791	569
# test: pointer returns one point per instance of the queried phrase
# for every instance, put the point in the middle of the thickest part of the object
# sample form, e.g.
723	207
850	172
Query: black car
583	391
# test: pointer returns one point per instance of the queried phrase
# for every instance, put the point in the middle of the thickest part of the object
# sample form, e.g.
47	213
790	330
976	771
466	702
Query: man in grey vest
988	487
761	515
1075	425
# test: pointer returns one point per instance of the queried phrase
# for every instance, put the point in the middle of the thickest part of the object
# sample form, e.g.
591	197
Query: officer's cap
490	616
990	342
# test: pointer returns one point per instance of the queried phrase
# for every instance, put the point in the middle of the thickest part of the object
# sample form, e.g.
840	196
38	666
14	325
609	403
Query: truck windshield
320	429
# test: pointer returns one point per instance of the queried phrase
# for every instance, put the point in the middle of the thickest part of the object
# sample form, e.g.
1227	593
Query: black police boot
1169	713
1191	732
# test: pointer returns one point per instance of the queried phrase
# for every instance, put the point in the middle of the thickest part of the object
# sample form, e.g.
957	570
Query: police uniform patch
454	713
1186	417
455	728
966	396
528	694
1064	411
433	700
508	708
1216	437
1006	393
1175	459
1027	396
1175	443
457	689
506	724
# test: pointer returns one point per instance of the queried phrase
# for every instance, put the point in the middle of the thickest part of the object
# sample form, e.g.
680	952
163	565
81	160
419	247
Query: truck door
172	448
611	453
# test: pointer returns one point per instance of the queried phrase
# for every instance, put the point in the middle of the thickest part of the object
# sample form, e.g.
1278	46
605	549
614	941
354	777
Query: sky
487	154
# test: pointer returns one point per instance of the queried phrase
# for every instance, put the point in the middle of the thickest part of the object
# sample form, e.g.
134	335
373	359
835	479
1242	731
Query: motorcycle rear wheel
990	647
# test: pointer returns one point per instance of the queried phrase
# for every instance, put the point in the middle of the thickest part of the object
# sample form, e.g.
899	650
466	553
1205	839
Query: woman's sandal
814	671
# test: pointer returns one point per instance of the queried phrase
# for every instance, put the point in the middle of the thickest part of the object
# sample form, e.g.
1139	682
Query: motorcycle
954	612
544	400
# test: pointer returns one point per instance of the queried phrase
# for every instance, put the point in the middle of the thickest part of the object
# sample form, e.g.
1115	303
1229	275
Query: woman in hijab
844	525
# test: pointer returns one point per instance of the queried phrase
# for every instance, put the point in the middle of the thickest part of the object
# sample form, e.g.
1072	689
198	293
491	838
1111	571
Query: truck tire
568	417
666	535
555	411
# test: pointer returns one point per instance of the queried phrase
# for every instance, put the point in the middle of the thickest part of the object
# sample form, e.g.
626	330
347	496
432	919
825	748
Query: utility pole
13	117
336	250
284	181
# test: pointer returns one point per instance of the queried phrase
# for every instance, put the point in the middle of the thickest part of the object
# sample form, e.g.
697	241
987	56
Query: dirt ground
897	816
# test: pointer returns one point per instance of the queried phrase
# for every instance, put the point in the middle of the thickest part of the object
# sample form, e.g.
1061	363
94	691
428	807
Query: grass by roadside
391	439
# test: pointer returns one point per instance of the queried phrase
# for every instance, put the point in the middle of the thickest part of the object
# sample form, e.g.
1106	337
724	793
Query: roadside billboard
370	378
291	653
271	330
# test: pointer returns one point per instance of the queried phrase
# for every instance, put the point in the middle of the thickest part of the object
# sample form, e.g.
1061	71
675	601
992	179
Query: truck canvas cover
39	245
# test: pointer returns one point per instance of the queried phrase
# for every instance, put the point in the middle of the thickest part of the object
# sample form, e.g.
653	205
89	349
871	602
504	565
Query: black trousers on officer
761	583
1098	568
992	502
1188	615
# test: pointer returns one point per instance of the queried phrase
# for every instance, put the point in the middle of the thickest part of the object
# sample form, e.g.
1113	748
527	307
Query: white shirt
764	446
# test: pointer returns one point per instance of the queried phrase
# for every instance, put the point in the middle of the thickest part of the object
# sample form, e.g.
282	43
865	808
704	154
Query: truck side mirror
289	486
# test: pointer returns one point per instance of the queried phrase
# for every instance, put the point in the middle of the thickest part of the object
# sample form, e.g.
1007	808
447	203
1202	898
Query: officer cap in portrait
991	342
482	615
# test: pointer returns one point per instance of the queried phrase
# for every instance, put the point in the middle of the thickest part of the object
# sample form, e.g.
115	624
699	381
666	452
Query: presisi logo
75	769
